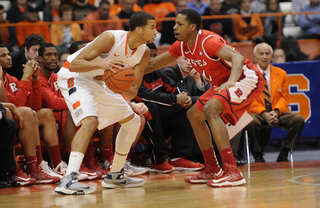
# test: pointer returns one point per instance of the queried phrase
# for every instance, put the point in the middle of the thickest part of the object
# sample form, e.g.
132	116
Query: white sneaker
119	179
70	185
45	168
61	168
134	169
107	166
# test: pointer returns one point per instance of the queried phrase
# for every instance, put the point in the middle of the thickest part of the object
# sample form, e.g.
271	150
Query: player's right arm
103	44
159	62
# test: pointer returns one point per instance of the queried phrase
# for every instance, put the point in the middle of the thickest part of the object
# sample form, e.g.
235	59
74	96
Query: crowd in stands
33	109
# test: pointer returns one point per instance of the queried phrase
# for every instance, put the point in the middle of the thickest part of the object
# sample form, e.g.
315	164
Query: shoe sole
139	173
64	191
187	169
113	186
227	183
203	181
161	171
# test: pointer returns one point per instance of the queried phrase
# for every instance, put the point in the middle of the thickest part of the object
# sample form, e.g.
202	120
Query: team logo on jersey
116	55
238	92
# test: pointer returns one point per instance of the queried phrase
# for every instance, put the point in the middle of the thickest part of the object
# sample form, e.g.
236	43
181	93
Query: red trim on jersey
66	65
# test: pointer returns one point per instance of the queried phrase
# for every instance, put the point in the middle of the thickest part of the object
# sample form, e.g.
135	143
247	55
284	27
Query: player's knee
299	119
91	123
132	126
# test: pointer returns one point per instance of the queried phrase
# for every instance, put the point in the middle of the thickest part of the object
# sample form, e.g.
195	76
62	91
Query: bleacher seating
290	29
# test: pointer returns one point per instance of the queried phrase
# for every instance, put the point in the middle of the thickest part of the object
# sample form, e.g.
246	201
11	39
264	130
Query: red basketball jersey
214	69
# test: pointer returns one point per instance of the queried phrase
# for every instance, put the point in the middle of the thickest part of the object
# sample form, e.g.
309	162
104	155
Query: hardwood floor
268	185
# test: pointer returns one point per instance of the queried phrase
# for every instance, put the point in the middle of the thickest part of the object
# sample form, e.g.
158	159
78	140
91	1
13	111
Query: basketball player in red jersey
93	105
236	84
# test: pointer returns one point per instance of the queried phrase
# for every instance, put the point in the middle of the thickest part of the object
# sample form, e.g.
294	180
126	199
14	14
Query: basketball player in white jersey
93	105
236	84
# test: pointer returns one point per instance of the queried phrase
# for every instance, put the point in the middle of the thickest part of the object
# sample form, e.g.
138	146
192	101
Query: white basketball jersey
119	51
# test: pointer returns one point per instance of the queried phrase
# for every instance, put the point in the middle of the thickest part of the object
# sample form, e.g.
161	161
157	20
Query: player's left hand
224	86
139	108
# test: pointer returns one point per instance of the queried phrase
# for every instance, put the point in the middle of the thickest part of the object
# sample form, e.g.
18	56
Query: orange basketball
120	80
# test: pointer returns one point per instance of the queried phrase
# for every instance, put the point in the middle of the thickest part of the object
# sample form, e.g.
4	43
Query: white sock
75	161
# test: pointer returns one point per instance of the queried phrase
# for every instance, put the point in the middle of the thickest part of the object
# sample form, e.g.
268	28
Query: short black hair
43	47
2	45
192	16
33	39
1	7
75	46
139	19
104	2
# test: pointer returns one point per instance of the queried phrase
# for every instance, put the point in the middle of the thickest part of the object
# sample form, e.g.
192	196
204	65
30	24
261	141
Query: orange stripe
76	105
66	65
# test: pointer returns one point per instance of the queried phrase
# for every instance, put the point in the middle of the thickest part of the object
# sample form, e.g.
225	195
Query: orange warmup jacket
279	90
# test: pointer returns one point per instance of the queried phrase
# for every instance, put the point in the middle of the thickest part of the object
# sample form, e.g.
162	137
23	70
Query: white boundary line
293	180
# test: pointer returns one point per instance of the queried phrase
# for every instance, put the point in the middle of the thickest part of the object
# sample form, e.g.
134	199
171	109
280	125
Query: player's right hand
182	98
110	64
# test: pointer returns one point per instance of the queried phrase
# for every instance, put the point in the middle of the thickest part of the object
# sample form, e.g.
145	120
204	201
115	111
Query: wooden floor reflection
268	185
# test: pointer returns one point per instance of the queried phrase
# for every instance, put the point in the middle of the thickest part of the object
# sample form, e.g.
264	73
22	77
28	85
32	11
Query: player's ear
193	27
39	59
139	30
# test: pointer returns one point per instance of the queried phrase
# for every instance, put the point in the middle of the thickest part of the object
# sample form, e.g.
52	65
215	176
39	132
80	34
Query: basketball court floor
269	184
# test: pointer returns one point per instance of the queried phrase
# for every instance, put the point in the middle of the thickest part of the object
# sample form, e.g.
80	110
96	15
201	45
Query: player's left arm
228	54
138	75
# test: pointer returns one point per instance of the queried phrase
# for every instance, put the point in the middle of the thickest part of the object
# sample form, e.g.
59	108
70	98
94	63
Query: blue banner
304	82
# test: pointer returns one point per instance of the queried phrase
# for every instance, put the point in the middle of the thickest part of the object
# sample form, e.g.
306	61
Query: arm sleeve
52	101
35	99
20	98
283	102
175	49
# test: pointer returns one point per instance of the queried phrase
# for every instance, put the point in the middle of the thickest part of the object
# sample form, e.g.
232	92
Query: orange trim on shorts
66	65
76	105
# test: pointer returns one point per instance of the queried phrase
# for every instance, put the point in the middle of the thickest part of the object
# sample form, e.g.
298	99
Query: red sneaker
164	167
93	166
183	164
91	175
231	176
210	172
20	177
34	171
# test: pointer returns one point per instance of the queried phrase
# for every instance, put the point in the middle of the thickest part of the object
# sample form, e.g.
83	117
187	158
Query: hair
2	45
1	7
59	56
64	8
192	16
75	46
33	39
268	7
256	48
152	46
139	19
43	48
104	2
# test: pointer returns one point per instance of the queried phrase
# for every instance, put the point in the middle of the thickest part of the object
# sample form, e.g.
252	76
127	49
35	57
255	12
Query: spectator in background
270	24
22	30
159	9
7	34
197	5
278	56
29	51
223	27
126	11
310	23
271	108
116	8
297	5
247	28
258	6
92	30
16	12
62	59
65	34
167	26
230	6
81	9
51	12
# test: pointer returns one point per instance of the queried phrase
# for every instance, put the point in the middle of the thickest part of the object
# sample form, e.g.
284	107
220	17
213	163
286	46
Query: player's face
149	32
32	53
67	16
5	58
263	56
153	54
182	29
215	6
104	11
49	58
